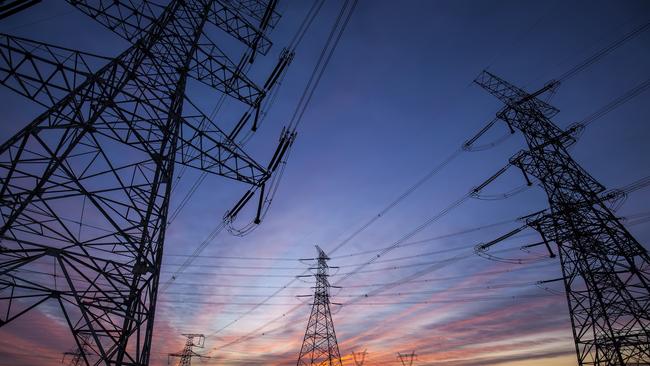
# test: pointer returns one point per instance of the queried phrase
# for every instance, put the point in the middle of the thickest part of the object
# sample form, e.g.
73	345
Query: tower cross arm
127	18
202	145
256	9
209	65
212	67
515	97
232	22
43	72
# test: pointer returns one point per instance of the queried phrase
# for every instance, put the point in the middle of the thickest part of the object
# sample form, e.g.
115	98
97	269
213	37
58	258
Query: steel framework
319	346
85	187
406	359
359	357
186	355
606	271
75	358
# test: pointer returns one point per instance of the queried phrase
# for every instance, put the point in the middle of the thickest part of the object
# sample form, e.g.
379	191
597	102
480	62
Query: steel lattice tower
319	346
193	340
361	357
406	359
606	272
76	356
85	187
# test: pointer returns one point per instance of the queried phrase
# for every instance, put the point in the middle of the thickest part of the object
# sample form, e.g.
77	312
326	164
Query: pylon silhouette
76	357
193	340
605	270
85	187
406	358
359	358
319	347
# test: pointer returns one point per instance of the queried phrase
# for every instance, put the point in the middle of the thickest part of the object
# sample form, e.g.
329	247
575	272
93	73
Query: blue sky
394	103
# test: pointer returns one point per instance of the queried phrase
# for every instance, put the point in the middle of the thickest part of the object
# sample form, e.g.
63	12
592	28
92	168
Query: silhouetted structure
359	358
406	359
606	272
186	355
85	187
76	357
319	346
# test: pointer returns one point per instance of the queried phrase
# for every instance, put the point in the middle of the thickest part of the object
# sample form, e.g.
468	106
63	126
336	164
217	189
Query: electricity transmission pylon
406	359
359	358
606	271
319	346
85	187
76	357
186	355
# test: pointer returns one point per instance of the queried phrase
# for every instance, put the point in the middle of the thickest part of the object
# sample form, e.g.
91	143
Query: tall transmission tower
186	355
359	357
406	359
606	271
85	187
319	346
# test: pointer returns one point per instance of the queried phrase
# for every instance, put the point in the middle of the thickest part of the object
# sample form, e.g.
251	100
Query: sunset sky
395	102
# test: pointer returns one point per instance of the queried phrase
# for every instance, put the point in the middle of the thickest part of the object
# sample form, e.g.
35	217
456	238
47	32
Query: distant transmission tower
75	358
406	359
193	340
606	272
319	347
359	358
85	188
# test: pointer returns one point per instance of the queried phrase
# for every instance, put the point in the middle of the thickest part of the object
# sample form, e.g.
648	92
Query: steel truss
186	355
606	271
406	359
85	187
319	346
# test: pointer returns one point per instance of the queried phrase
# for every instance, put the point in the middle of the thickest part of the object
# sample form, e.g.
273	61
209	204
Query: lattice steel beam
606	271
42	72
319	346
85	187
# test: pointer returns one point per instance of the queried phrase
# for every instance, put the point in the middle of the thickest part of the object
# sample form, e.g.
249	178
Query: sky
395	102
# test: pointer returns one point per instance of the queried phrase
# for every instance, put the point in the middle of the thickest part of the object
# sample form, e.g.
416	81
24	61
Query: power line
361	253
452	157
387	303
297	38
304	102
603	52
411	278
390	294
617	102
608	108
292	126
419	255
